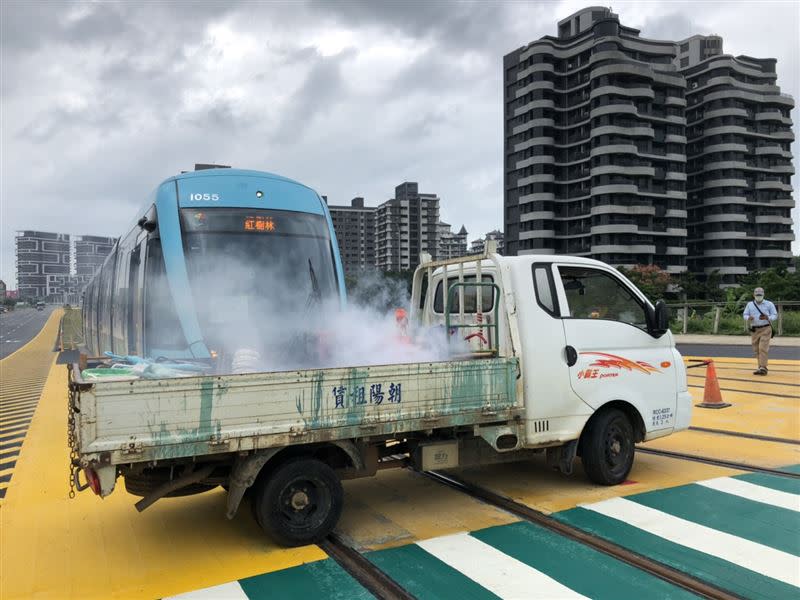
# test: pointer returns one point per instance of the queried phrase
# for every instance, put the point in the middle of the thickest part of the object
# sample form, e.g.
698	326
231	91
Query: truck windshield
257	275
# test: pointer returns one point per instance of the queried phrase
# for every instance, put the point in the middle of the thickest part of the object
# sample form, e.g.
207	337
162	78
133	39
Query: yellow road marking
398	507
750	452
93	548
534	484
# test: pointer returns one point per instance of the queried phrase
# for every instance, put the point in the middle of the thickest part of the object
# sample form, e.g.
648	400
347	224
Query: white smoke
279	318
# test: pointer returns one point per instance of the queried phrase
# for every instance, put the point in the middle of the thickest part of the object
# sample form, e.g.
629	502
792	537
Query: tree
778	283
650	279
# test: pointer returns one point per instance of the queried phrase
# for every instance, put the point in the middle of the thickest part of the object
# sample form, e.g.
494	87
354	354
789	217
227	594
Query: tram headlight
259	194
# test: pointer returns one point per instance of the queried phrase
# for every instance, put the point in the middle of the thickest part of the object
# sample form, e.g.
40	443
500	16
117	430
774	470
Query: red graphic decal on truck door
608	361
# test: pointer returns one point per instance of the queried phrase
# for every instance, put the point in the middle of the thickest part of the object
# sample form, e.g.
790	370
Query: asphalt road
18	327
739	351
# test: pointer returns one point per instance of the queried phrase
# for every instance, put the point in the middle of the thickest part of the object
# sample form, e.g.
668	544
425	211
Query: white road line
751	491
498	572
226	591
750	555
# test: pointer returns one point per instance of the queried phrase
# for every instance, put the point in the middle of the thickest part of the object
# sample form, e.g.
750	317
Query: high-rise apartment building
596	150
739	161
405	227
90	252
450	245
355	233
479	245
45	265
42	260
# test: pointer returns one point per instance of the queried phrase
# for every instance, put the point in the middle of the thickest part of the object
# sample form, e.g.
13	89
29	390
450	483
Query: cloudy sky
101	101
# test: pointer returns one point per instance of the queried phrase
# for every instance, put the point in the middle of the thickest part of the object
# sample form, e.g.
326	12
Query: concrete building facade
450	245
90	251
597	148
56	266
479	245
42	261
739	161
355	233
406	225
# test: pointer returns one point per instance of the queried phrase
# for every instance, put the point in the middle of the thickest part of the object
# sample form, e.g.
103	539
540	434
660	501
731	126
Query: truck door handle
572	355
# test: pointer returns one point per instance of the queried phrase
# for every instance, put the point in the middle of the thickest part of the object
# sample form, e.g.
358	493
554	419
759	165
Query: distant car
40	305
3	308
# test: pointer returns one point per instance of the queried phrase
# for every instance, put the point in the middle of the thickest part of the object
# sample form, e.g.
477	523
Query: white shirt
766	307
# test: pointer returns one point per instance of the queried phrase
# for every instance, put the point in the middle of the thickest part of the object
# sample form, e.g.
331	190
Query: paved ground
18	327
739	531
737	351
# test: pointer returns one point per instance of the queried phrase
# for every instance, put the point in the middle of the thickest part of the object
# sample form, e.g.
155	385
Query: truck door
610	352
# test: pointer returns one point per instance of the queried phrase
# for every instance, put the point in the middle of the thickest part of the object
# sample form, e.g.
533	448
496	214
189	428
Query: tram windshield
260	278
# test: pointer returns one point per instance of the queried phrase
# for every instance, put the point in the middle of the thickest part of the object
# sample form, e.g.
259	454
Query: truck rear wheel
607	448
299	503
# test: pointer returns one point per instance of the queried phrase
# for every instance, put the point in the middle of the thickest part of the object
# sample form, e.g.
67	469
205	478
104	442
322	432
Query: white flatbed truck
561	355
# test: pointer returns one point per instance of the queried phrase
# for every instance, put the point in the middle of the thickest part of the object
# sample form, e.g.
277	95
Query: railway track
658	569
362	570
719	462
749	436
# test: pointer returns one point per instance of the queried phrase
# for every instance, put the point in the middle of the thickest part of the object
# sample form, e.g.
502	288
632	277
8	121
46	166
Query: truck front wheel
607	447
299	503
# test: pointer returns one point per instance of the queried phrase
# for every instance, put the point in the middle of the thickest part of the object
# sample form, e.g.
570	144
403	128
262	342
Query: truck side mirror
659	319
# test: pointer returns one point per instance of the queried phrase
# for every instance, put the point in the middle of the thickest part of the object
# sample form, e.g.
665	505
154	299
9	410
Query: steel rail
719	462
749	436
649	565
376	581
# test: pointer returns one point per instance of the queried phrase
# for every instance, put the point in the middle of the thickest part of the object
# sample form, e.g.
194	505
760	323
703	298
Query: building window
685	62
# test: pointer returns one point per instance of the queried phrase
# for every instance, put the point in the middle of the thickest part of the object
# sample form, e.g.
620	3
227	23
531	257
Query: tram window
106	302
120	307
162	329
134	303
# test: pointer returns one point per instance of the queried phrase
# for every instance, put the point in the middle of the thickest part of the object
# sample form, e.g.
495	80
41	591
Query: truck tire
299	503
607	447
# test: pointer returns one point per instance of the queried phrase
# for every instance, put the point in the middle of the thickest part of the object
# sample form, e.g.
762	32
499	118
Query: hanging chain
72	396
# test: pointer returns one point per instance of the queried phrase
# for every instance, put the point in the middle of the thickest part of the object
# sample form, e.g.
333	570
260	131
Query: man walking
759	314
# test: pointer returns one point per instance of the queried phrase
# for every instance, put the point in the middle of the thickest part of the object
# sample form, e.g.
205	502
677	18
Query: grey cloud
322	88
453	23
675	26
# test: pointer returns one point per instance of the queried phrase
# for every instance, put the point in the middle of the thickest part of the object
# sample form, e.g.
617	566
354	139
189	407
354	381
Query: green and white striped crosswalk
739	533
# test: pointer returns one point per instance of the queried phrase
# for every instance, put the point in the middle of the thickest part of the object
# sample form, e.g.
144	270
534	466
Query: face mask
759	298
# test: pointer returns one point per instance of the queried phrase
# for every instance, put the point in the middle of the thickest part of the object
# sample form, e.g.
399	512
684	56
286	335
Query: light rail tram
219	259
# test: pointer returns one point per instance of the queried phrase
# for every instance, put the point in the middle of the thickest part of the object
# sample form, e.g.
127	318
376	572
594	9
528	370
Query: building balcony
537	234
617	188
726	147
724	183
676	251
615	228
773	185
725	252
541	103
636	131
781	220
728	270
614	149
624	249
633	92
725	217
724	235
626	170
787	254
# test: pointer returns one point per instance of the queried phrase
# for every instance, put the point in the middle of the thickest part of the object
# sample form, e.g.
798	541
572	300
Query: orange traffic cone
712	396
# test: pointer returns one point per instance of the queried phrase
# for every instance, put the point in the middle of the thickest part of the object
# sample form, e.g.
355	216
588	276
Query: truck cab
599	370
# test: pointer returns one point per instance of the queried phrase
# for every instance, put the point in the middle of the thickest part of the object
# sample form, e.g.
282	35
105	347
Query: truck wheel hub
299	500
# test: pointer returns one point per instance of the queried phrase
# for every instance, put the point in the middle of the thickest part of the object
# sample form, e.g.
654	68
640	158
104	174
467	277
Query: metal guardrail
70	334
717	308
